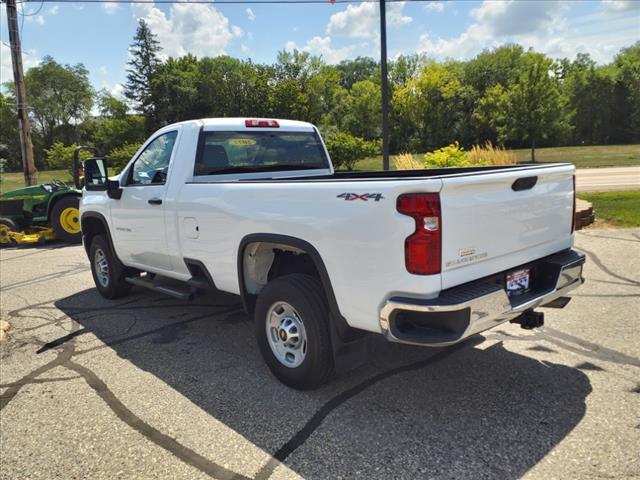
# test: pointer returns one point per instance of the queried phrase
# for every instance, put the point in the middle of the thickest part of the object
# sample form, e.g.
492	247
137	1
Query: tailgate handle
524	183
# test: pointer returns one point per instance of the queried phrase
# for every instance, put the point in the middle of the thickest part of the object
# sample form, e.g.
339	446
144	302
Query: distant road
607	179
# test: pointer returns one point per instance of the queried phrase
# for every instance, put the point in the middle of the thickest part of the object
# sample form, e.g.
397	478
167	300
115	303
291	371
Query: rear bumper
462	311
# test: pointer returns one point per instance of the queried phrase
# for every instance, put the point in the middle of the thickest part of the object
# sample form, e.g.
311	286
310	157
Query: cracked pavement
151	387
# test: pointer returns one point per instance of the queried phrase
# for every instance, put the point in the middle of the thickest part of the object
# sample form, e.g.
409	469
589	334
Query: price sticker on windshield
242	141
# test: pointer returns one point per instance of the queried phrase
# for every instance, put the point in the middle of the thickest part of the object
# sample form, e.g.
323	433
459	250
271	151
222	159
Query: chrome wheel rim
286	334
101	267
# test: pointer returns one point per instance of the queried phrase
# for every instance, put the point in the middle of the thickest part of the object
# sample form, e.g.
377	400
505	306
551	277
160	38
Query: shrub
450	156
60	156
346	150
120	156
490	154
406	161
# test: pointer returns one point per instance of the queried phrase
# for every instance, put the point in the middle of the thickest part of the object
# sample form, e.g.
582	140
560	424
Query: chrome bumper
468	309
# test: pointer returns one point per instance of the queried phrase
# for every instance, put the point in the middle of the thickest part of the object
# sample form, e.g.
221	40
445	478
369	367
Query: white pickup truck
253	207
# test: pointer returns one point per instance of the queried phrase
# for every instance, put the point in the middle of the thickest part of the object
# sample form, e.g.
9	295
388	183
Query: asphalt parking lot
152	387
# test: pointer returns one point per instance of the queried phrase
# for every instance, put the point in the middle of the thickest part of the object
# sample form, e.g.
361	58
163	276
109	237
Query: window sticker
242	141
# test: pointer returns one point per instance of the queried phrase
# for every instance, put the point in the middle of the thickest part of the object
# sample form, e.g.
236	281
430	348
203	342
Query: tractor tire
108	272
65	219
7	225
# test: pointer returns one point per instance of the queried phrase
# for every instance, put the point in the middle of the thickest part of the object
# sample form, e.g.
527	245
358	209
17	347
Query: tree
430	109
10	153
114	126
357	70
111	106
533	108
60	97
491	67
346	150
626	95
588	89
142	68
364	105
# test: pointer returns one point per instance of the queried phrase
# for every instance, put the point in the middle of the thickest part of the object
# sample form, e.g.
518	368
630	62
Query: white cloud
244	49
110	7
54	10
621	5
29	59
117	89
470	42
290	46
321	46
435	6
198	29
103	70
362	20
236	31
39	19
544	26
513	17
250	15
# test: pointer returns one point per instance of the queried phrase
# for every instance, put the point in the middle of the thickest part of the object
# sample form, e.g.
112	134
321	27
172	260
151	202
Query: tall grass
406	161
490	154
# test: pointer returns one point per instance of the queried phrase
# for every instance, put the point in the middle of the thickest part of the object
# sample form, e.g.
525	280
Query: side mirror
95	174
96	178
77	167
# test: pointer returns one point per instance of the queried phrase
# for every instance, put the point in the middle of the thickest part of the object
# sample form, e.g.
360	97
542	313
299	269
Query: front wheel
292	328
65	219
108	272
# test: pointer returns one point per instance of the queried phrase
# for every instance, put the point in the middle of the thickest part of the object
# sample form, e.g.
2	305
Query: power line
21	11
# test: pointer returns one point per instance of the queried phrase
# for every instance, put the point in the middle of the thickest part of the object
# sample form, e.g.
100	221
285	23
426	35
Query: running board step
200	283
175	292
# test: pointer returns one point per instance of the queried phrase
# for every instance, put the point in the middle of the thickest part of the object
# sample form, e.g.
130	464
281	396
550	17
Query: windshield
258	151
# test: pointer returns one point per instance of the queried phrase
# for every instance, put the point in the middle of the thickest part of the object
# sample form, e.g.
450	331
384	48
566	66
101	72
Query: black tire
68	231
115	286
306	295
5	239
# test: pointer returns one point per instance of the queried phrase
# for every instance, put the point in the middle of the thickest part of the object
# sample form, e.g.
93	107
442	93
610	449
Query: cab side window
151	166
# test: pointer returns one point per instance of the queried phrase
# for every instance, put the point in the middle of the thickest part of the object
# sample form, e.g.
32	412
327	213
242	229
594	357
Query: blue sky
98	35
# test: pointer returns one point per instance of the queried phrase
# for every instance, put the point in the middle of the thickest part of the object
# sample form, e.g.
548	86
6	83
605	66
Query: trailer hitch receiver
530	320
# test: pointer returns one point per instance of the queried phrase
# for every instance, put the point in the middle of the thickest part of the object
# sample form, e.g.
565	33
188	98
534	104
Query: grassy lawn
14	180
582	157
619	208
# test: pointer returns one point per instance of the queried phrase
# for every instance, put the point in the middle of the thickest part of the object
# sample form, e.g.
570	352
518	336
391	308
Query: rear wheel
65	219
292	328
108	272
6	225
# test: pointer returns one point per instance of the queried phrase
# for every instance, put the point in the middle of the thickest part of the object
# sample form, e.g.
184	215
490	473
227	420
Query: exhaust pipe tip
530	320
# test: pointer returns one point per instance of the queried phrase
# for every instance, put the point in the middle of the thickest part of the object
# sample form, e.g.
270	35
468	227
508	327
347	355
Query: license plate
518	282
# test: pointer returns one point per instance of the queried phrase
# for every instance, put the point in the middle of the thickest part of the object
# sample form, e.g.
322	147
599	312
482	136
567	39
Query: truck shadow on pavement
460	412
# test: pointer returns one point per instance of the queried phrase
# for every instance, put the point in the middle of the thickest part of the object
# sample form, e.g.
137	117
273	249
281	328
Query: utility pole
30	172
384	83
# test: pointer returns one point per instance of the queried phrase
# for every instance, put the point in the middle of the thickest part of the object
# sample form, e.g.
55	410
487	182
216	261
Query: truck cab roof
240	123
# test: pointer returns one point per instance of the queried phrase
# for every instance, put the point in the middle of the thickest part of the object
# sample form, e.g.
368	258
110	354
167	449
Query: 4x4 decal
361	196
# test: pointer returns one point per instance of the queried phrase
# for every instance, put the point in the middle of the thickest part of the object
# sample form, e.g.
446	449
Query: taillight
573	218
422	249
256	122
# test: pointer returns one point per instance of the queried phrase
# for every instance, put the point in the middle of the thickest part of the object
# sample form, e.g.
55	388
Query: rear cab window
237	152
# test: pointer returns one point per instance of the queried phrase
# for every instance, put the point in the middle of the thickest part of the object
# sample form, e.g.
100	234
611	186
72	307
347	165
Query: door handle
524	183
155	201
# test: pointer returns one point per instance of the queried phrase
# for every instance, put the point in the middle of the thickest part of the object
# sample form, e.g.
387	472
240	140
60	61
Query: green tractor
43	212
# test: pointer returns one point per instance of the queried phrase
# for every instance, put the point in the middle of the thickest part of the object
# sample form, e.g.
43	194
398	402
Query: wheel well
264	261
91	226
263	257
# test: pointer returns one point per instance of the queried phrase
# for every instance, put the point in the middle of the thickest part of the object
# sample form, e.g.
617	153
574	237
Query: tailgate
495	221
